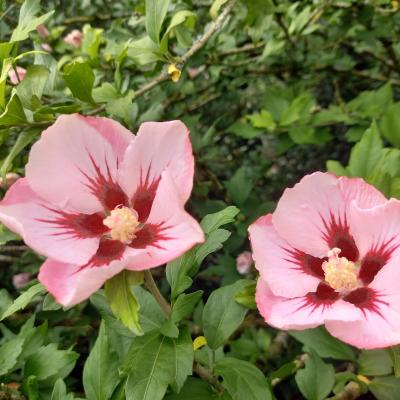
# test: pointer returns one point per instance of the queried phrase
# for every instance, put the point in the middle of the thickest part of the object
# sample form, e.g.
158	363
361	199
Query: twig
12	248
351	391
199	44
281	23
206	375
153	288
8	259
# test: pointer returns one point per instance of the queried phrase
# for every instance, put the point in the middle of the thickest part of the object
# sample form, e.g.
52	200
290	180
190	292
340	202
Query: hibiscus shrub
243	247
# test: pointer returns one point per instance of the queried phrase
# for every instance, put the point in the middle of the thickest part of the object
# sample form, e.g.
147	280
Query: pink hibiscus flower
330	255
74	38
97	199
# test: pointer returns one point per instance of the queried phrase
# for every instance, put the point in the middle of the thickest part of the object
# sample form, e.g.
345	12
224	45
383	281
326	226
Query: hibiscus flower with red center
96	200
330	254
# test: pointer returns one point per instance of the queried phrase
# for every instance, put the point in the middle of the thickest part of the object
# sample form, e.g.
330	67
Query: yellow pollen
123	222
340	273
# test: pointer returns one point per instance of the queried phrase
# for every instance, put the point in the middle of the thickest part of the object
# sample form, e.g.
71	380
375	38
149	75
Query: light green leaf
156	11
9	353
50	362
316	379
143	51
28	21
390	124
60	391
366	154
262	120
246	296
178	19
215	7
14	113
92	38
100	373
243	380
325	345
212	222
184	305
79	77
24	138
336	168
155	361
33	84
385	388
24	299
122	300
375	362
245	130
222	314
193	389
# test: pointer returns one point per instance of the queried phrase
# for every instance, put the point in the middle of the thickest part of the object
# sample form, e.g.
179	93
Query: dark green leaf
79	77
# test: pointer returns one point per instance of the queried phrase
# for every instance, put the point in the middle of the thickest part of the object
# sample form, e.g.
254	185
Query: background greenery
271	90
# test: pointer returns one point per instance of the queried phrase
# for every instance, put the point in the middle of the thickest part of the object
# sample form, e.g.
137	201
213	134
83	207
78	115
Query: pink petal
168	233
71	284
303	312
60	234
377	235
74	165
380	307
313	215
158	145
289	272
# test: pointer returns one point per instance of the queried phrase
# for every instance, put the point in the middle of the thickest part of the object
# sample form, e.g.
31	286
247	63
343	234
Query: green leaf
143	51
394	353
385	388
32	85
9	353
239	186
60	391
325	345
50	304
215	7
212	222
193	389
214	242
169	329
155	361
375	362
297	109
222	314
246	296
14	112
79	77
92	38
28	21
263	120
390	123
23	300
178	19
100	373
366	154
156	11
24	138
336	168
244	130
316	379
243	380
184	305
50	362
122	300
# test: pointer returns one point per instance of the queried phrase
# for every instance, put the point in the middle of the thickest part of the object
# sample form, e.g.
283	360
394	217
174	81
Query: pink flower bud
46	47
13	75
42	31
74	38
20	280
244	262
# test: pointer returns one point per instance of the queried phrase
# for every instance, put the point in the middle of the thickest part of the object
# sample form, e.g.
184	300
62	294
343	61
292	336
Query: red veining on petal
375	259
109	250
323	297
79	226
144	196
337	234
306	263
104	188
366	299
150	235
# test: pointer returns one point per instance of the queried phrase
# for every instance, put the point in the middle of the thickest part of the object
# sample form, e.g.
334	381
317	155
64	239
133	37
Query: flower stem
153	288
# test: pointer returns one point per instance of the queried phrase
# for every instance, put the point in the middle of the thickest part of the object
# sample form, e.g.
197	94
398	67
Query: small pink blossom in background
244	261
10	179
42	31
20	280
46	47
74	38
330	254
97	199
13	75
